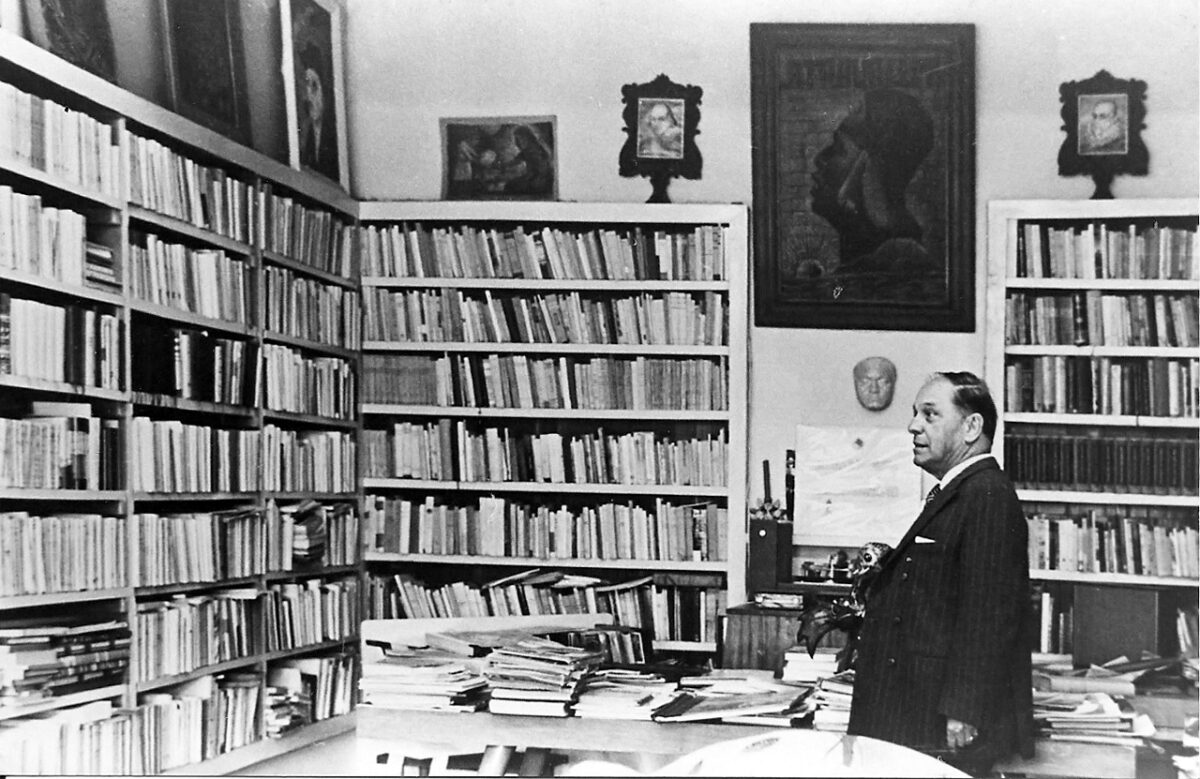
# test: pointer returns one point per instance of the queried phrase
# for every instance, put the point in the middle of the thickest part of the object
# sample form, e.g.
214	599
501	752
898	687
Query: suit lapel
935	505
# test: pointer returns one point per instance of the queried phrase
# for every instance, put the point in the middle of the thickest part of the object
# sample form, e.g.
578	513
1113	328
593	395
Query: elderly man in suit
943	661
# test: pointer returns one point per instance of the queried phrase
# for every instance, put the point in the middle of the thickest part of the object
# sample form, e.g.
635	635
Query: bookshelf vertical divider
1094	359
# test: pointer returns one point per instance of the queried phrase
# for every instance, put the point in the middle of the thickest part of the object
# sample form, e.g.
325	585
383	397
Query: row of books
309	460
1138	249
647	602
41	240
189	632
194	721
174	456
59	445
1090	317
165	181
520	381
314	237
450	450
306	308
207	282
194	365
1054	618
498	527
322	386
69	145
73	344
297	614
1159	463
1056	384
303	690
455	315
1144	542
416	249
61	553
43	659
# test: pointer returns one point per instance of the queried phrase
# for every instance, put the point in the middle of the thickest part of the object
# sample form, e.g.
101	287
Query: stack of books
799	667
537	676
832	697
1095	717
42	661
623	694
422	680
289	701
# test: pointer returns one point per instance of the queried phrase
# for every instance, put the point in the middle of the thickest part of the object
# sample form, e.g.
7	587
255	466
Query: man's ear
974	425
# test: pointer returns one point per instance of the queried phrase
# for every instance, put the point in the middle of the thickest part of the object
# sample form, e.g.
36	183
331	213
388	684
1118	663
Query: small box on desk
1113	621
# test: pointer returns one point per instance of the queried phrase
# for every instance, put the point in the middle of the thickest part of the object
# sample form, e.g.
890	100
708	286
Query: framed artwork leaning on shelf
314	87
499	158
76	30
206	71
864	168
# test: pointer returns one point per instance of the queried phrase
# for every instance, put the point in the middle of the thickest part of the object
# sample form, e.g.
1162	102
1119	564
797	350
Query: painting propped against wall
314	88
76	30
864	179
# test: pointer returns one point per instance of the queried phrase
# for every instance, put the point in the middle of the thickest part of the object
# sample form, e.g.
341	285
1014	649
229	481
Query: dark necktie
933	493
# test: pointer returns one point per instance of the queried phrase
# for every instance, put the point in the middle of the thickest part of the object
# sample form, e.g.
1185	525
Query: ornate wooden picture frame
1103	117
206	72
661	124
864	175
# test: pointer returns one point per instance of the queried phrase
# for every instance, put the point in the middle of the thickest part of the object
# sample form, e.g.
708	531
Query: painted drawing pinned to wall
1103	117
76	30
314	88
498	158
206	73
863	165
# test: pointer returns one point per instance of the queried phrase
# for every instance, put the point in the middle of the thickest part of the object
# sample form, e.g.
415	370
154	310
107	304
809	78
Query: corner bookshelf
1094	358
179	329
573	377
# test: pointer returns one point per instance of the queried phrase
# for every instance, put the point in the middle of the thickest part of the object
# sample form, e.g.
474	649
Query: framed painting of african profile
864	175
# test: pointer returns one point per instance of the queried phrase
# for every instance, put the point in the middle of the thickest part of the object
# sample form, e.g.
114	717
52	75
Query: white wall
413	61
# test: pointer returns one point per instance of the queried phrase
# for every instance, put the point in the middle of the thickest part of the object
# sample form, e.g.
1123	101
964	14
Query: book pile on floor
799	667
832	697
1095	717
623	694
422	680
537	676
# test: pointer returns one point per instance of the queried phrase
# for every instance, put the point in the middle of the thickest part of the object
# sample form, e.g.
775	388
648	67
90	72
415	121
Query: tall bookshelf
1093	355
179	346
575	407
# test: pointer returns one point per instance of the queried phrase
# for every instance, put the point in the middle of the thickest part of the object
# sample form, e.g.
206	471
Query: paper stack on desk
832	698
537	676
623	694
799	667
422	680
1091	717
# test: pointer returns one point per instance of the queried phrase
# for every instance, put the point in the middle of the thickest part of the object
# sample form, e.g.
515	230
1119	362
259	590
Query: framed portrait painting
662	121
864	175
1103	117
499	158
206	72
314	87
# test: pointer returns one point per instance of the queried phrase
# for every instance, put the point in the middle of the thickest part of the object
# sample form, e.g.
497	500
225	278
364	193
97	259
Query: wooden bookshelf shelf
308	420
559	488
197	406
49	181
1103	420
328	570
275	258
62	702
188	230
346	644
1175	352
51	598
180	588
266	748
1111	285
282	495
79	291
194	497
547	562
216	668
1107	498
312	346
19	493
1123	579
188	318
60	388
545	285
662	415
632	350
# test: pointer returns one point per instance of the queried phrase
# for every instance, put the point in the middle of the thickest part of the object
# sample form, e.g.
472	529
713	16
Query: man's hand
959	734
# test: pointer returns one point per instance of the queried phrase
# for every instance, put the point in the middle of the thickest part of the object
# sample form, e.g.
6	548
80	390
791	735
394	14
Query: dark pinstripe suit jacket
945	631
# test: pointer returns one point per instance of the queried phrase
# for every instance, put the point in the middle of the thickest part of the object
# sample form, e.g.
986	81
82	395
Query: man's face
938	428
873	384
659	119
1104	114
314	95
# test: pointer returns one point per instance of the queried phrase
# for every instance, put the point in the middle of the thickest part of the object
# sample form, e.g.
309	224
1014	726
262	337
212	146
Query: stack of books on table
1094	717
623	694
731	695
537	676
832	697
799	667
422	680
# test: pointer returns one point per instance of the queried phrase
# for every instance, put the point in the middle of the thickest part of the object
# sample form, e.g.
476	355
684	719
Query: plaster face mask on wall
874	382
